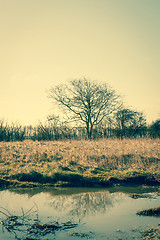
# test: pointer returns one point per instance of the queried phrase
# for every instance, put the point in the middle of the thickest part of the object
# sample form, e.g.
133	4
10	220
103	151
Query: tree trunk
89	130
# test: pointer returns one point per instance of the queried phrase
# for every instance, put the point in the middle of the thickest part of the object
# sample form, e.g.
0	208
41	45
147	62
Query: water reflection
60	203
69	191
103	210
84	204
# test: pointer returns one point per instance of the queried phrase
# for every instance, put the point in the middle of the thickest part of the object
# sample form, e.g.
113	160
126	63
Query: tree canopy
130	122
86	101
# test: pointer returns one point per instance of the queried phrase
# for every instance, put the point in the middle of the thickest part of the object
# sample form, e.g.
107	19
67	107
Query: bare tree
86	101
130	122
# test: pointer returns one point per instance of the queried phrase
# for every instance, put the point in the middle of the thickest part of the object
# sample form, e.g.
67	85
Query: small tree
154	129
86	101
130	122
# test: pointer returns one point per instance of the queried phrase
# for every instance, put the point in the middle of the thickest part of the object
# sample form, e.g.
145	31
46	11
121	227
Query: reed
28	225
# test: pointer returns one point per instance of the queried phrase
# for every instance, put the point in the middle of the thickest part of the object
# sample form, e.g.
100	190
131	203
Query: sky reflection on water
106	212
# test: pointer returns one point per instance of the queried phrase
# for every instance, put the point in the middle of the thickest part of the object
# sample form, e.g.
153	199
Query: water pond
93	213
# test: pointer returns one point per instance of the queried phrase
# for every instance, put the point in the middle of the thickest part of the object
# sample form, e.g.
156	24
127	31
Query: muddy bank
67	179
150	212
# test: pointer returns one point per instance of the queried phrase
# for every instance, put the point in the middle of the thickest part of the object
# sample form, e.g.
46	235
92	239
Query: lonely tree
86	101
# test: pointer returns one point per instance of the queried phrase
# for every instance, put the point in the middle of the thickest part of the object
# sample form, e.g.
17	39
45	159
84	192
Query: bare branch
86	101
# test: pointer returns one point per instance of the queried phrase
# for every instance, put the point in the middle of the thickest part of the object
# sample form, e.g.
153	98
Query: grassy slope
81	163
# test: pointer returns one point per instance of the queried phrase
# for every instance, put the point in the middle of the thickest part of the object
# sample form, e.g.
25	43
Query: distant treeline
49	131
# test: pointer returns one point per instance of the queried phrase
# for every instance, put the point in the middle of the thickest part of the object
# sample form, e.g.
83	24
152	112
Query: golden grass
85	156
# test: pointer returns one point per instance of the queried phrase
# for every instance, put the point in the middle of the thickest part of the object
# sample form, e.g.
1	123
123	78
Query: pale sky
47	42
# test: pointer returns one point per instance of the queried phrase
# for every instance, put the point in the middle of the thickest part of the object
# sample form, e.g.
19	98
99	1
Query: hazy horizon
48	42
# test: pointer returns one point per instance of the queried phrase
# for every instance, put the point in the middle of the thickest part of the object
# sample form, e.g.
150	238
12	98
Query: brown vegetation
103	161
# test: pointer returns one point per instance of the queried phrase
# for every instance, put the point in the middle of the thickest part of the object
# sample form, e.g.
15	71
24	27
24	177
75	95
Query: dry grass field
81	161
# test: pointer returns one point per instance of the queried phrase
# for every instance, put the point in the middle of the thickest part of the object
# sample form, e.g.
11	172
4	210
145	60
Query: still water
99	213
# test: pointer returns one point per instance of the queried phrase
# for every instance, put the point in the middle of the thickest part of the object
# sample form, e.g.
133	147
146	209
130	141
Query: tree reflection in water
85	204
